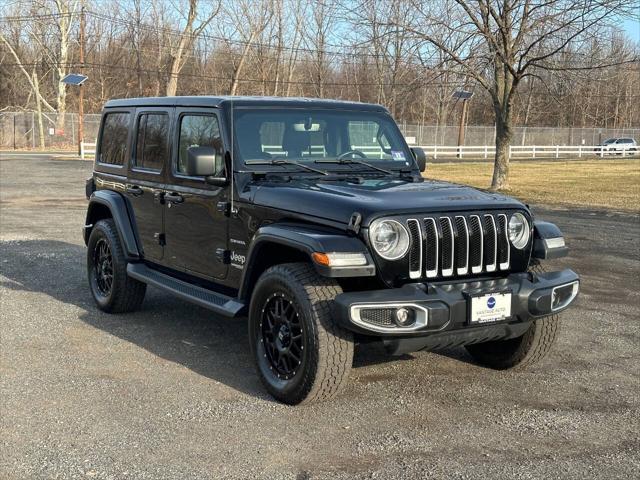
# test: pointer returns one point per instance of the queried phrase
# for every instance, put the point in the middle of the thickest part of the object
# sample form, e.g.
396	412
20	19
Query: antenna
232	157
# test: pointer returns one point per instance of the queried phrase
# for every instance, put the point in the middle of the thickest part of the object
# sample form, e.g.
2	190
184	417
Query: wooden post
81	93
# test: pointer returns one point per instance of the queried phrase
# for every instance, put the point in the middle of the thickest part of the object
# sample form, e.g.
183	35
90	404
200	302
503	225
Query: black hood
337	200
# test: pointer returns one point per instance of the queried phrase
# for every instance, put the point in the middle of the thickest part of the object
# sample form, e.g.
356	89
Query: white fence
470	152
87	149
530	151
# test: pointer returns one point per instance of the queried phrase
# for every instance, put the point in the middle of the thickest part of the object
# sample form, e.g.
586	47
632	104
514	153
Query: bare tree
54	34
323	18
135	27
505	41
185	42
249	18
50	31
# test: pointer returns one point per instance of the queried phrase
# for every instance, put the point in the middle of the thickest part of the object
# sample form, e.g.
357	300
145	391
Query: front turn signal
339	259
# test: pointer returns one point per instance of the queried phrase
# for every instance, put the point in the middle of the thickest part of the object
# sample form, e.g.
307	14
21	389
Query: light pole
77	79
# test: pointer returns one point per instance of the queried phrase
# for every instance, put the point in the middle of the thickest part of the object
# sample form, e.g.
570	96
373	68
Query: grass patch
610	184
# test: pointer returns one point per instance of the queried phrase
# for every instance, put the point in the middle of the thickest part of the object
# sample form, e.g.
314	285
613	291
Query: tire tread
534	344
332	364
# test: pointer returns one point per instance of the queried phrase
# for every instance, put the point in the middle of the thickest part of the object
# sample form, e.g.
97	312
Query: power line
97	66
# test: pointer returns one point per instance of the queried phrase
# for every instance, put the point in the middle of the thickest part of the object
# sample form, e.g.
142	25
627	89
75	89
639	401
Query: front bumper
443	309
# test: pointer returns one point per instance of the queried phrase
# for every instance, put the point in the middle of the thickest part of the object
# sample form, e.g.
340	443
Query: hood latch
354	223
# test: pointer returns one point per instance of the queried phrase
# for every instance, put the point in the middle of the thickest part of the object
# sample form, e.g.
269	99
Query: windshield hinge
354	223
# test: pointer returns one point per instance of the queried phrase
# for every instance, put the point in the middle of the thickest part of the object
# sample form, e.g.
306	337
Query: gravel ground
170	392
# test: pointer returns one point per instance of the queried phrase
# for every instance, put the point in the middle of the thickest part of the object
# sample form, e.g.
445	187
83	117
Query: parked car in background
617	146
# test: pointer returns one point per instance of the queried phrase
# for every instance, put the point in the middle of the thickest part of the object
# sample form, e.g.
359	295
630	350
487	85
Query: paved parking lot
170	392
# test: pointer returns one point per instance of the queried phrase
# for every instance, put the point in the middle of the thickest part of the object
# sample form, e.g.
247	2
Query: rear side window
152	149
113	145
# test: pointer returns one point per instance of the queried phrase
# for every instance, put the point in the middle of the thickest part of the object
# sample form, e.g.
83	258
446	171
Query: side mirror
421	158
204	162
201	161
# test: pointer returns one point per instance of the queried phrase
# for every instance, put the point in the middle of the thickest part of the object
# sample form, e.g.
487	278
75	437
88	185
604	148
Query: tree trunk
235	80
504	134
172	81
39	110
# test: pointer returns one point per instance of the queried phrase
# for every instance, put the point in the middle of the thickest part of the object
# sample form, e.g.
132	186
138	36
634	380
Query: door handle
173	197
134	190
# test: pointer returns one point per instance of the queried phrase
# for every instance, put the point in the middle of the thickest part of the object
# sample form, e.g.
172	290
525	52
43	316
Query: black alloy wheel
103	267
301	352
282	336
112	289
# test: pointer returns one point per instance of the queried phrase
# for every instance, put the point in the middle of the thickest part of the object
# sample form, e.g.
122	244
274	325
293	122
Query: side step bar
217	302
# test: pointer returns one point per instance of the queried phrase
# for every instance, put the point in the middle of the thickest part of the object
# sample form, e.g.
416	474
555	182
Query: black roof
211	101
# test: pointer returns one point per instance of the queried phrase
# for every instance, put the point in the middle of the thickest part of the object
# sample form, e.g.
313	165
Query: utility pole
464	96
81	92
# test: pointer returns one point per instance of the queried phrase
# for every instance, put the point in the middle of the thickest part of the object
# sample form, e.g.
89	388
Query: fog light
563	295
405	317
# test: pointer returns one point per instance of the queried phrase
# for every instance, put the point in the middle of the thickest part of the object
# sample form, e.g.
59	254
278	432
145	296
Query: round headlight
518	231
389	238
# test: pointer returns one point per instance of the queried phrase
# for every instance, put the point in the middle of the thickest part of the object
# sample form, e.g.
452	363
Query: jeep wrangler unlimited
312	219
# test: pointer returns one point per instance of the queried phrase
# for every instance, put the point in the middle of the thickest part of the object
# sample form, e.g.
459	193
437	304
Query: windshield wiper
282	161
347	161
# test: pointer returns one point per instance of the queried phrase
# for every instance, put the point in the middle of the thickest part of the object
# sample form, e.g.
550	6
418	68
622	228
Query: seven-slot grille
444	246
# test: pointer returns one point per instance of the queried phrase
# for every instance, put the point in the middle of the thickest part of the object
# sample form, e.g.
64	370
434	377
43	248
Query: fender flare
307	240
117	205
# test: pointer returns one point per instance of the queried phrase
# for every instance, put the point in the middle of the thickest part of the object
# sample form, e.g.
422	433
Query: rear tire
522	351
300	351
112	289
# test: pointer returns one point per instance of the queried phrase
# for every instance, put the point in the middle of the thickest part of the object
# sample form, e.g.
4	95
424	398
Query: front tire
522	351
112	289
300	351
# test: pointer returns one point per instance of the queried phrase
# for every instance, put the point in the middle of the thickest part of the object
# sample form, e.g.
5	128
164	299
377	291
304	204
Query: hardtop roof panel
213	101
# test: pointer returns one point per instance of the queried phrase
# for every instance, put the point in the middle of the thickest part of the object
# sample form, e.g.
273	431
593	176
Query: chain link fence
20	130
431	135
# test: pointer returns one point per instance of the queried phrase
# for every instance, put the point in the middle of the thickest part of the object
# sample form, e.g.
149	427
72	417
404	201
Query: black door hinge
224	208
223	256
160	238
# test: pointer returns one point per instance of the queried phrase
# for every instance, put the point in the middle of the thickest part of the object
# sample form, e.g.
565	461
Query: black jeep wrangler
312	219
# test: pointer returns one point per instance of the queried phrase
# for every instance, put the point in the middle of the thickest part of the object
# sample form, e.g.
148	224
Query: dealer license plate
490	307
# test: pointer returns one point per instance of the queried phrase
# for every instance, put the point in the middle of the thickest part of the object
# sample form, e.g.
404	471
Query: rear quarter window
113	143
152	148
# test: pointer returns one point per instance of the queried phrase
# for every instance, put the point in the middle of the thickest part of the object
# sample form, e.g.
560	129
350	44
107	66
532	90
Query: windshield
314	135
